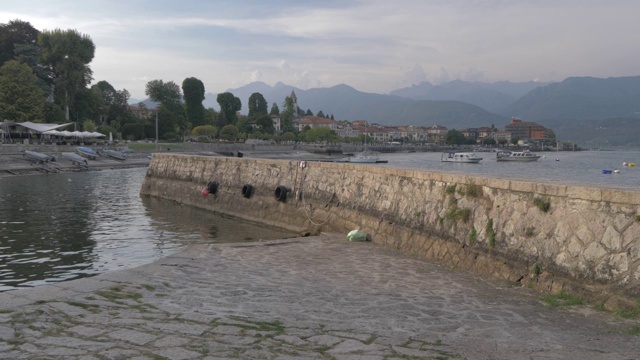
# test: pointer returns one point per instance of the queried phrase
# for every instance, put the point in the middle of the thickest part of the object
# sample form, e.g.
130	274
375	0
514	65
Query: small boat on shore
89	153
460	157
38	156
74	158
517	156
115	154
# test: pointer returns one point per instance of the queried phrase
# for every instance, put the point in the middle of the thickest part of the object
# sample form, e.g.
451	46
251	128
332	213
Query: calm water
580	167
65	226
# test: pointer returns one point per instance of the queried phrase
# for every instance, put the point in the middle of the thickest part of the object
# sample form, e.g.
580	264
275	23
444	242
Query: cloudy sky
373	45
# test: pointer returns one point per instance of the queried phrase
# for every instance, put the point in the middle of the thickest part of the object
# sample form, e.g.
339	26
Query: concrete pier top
304	298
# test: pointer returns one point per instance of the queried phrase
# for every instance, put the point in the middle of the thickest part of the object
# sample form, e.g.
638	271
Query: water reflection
64	226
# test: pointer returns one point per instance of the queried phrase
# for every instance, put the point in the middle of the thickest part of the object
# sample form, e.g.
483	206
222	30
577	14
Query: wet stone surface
308	298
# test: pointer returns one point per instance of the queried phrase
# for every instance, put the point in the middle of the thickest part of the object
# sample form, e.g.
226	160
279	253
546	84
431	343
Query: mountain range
590	111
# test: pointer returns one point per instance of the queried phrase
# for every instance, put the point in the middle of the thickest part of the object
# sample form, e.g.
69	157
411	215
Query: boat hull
116	154
87	152
465	158
517	156
38	156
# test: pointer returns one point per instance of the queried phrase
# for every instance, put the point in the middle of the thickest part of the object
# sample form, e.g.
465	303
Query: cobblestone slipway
306	298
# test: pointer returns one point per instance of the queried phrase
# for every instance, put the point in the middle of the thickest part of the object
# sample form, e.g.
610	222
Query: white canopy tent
78	134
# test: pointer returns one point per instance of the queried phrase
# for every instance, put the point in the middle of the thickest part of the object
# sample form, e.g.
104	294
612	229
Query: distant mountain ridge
570	107
489	96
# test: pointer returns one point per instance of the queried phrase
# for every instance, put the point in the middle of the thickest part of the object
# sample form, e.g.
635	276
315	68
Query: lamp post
156	129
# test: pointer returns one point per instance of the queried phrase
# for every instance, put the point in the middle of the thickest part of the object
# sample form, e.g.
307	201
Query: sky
374	46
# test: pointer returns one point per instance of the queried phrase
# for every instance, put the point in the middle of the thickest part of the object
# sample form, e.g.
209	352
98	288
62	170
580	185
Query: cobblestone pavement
306	298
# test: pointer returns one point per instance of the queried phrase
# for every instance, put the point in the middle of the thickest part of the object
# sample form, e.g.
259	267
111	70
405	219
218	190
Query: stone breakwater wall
552	237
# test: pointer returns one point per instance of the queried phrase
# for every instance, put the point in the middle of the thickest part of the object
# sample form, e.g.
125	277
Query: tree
171	117
165	93
455	137
309	113
257	105
320	134
205	130
229	105
68	54
265	123
229	132
515	140
275	110
320	114
286	117
16	32
193	90
289	136
21	98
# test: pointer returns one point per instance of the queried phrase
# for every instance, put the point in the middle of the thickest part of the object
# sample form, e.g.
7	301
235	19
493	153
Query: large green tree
257	105
171	118
265	124
21	98
287	115
14	33
275	110
229	105
68	54
193	90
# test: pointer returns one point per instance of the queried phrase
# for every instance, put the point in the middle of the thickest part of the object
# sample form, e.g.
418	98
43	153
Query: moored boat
365	157
518	156
461	157
87	152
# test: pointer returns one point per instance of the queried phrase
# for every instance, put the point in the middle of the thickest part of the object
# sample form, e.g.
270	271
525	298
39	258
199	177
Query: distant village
517	132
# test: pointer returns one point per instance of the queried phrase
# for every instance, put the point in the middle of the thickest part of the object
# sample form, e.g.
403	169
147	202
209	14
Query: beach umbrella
97	134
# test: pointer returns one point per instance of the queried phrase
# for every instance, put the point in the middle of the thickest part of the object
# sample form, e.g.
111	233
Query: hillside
580	98
347	103
489	96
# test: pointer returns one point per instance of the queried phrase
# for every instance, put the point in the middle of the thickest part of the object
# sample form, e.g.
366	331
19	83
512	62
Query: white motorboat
365	157
519	156
461	157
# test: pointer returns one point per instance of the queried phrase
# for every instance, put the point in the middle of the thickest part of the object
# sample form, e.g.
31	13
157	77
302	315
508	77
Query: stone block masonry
582	240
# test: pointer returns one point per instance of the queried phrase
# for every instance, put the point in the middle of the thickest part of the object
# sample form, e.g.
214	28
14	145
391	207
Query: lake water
579	167
59	227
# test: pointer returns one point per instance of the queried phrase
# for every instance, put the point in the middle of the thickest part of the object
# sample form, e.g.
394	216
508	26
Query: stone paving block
325	340
292	340
11	300
72	342
62	352
173	328
85	285
119	353
87	331
7	333
132	336
177	353
171	341
354	346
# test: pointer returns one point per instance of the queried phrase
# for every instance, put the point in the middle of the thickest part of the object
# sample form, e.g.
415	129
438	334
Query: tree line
45	77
